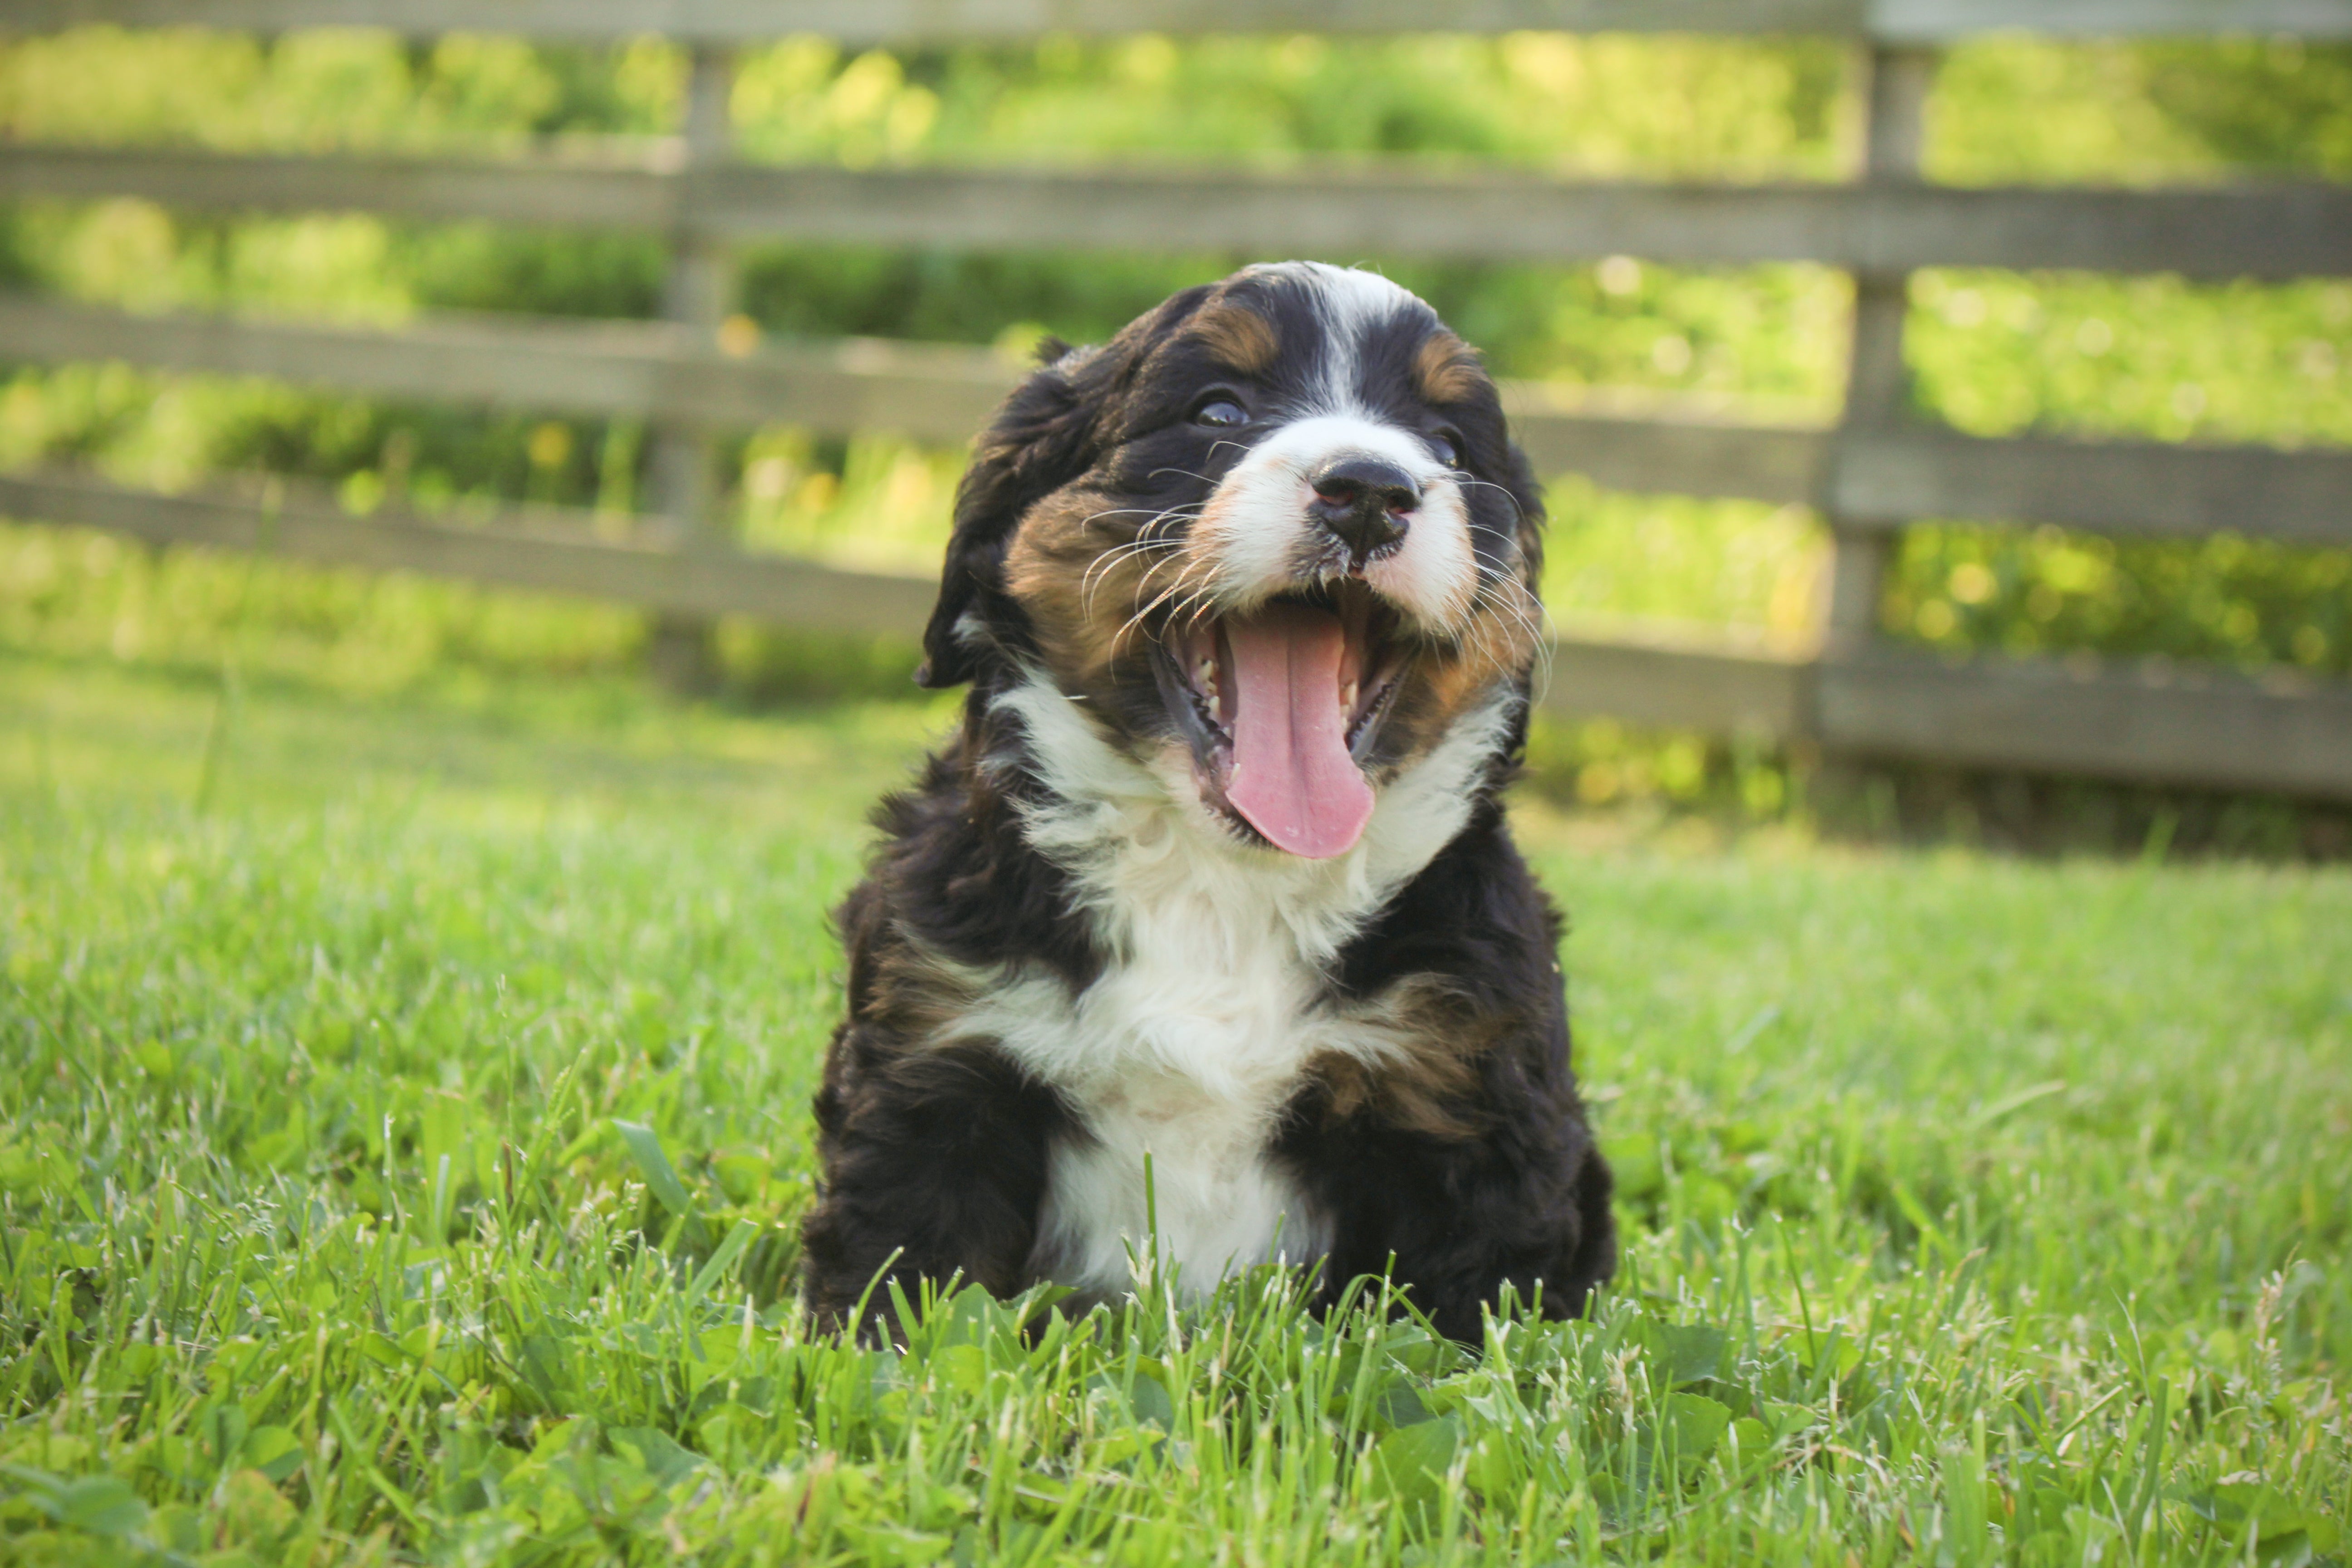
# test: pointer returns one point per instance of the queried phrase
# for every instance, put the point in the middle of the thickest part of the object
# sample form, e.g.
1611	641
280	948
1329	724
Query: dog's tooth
1347	697
1206	673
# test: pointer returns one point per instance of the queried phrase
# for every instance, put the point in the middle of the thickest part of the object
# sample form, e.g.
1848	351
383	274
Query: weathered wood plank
594	368
1668	682
623	188
944	394
2185	727
1891	225
1878	373
1675	451
1942	21
1341	214
1714	686
2255	231
913	21
796	593
928	392
682	477
1884	479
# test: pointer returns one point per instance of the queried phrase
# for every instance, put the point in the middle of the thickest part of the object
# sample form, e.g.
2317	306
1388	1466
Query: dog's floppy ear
1047	433
1040	440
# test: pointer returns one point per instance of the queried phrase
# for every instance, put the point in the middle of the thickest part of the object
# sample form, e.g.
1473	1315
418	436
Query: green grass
404	1061
1977	1211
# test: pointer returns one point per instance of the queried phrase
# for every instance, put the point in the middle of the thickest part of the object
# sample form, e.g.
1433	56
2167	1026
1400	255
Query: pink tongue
1293	779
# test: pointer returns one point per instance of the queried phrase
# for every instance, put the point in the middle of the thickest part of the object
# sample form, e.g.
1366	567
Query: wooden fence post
1878	386
696	294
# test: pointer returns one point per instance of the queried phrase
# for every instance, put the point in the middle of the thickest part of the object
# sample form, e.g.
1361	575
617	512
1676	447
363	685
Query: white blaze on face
1286	691
1258	532
1258	529
1353	304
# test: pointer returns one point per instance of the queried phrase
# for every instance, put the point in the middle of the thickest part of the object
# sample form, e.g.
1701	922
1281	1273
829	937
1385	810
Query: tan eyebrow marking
1241	339
1447	369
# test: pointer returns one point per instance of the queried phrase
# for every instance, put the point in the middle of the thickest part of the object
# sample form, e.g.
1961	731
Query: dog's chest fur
1210	1006
1185	1049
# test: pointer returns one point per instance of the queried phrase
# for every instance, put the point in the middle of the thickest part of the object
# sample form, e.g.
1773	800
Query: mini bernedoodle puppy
1215	870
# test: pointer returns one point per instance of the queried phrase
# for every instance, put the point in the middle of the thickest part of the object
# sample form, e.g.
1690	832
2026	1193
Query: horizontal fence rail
1875	473
2179	724
1885	478
1701	686
863	22
800	593
1881	477
2186	725
2284	231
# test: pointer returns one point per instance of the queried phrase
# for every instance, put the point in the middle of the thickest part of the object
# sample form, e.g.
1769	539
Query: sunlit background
1992	352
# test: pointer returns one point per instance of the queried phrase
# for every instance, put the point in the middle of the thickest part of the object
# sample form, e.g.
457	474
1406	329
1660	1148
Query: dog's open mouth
1281	706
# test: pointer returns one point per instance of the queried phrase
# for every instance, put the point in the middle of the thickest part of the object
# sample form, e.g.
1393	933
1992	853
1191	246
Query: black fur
1050	431
935	1154
1524	1199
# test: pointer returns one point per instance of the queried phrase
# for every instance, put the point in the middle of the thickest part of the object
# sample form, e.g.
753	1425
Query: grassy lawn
403	1121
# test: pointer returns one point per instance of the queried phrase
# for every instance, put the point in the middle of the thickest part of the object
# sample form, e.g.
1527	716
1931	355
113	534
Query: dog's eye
1220	412
1449	449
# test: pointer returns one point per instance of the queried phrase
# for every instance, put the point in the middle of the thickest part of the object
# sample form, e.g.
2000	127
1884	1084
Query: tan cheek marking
1443	686
1509	629
1082	588
1449	689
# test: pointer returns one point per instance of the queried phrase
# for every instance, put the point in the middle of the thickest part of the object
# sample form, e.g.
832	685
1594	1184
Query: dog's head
1274	536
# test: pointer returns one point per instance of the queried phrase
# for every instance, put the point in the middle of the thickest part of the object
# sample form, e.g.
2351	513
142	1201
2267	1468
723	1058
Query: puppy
1204	933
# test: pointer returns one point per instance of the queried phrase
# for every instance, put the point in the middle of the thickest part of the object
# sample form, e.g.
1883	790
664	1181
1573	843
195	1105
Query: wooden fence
1879	468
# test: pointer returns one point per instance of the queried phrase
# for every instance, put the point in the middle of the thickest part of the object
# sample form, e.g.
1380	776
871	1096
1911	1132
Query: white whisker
1169	594
1186	472
1143	541
1519	513
1112	558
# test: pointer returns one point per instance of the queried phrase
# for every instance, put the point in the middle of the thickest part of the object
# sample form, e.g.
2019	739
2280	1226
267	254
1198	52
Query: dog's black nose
1364	501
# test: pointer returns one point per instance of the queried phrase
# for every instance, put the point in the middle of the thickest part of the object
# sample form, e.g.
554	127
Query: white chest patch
1211	1001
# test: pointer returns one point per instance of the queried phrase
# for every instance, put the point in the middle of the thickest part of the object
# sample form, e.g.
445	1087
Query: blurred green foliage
1993	352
